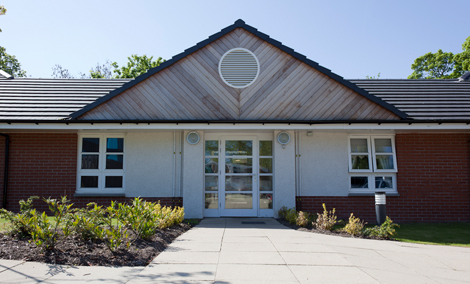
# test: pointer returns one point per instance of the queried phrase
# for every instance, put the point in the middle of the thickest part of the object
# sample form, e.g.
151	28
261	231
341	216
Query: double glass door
232	176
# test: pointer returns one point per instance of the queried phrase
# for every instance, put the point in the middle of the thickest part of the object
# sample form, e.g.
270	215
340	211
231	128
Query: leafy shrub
139	217
282	213
291	216
354	226
325	221
303	219
21	223
113	235
44	233
168	217
384	231
86	223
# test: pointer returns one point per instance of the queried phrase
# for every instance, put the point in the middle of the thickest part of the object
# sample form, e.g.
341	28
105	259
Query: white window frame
101	172
373	172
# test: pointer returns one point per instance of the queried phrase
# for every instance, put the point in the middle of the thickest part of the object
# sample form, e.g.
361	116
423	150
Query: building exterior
241	125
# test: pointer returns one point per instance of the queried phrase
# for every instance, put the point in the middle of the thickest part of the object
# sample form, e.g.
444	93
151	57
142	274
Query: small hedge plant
110	224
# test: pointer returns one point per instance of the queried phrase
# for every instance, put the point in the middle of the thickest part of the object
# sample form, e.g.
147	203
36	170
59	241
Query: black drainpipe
5	176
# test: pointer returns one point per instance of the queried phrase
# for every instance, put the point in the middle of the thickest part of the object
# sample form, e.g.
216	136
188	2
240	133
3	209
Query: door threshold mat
253	223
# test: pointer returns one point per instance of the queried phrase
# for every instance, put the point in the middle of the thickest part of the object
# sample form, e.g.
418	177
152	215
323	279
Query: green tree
2	12
137	65
10	64
101	71
442	65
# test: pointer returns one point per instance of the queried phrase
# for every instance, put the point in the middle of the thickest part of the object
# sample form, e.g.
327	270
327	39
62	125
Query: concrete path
263	251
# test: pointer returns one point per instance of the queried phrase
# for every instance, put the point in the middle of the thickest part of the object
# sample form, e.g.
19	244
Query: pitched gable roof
340	87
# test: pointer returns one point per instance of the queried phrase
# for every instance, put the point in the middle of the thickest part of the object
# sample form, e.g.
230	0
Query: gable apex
239	24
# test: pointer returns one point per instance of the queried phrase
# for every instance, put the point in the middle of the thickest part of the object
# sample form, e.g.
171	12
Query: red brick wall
433	181
45	164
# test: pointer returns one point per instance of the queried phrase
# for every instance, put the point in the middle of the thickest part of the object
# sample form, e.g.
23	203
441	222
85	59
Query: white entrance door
238	181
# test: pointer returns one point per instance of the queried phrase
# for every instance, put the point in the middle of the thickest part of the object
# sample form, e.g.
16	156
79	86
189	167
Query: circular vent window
239	68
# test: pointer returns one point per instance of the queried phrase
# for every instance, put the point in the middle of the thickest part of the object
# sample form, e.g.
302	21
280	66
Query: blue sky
354	39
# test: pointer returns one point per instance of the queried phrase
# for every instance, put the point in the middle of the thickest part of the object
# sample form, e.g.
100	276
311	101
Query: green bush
303	219
291	216
384	231
21	223
354	226
325	221
282	213
86	223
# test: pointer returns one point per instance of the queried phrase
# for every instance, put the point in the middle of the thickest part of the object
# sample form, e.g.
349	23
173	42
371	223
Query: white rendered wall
324	164
149	169
193	177
284	173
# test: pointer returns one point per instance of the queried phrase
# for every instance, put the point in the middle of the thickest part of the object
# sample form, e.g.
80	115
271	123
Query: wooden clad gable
286	89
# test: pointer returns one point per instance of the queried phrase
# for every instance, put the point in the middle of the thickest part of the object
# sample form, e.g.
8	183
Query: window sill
97	194
392	194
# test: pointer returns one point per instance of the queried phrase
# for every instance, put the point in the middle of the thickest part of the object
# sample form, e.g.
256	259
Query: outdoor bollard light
380	207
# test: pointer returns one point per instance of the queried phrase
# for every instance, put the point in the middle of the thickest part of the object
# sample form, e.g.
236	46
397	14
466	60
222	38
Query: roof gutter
5	176
311	122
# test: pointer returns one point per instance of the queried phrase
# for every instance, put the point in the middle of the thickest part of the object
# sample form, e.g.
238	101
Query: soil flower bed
72	251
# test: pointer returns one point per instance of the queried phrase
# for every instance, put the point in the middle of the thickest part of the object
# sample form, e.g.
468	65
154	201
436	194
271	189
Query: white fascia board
232	126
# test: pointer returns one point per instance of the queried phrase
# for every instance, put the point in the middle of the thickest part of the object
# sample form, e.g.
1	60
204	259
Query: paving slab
176	273
313	258
389	277
202	257
6	263
258	257
96	274
30	272
256	273
330	274
248	247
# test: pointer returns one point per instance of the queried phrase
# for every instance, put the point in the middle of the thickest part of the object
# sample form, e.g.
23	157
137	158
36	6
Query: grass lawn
450	234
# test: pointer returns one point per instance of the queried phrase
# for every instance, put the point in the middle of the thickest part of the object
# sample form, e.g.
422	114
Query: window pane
383	145
113	181
115	145
265	165
212	148
359	182
114	162
238	183
266	201
91	145
383	182
384	162
360	162
239	166
359	146
212	166
238	201
266	183
265	148
239	148
90	162
212	183
212	200
89	181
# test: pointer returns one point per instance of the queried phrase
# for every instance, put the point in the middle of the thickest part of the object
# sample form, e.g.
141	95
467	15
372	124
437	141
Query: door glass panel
359	146
239	148
238	183
212	201
90	162
383	145
212	165
239	166
212	183
384	162
266	183
359	182
266	201
238	201
265	148
360	162
265	165
212	148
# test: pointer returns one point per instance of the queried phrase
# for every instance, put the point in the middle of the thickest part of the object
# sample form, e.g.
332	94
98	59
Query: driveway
240	250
